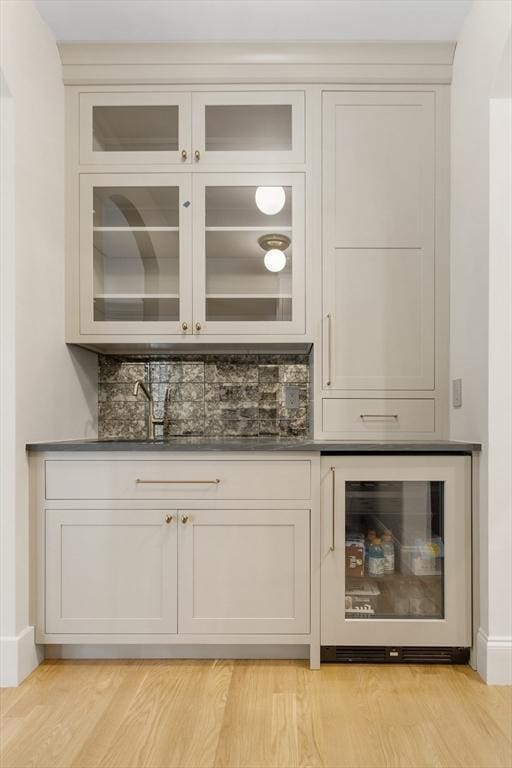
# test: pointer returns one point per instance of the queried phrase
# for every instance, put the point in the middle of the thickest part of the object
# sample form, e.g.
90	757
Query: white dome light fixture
274	260
274	245
270	200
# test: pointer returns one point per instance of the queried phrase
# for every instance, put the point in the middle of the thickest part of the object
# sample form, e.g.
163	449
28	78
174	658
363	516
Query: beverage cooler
396	558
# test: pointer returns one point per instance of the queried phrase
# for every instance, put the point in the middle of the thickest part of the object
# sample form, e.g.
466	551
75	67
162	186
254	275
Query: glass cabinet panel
136	253
148	128
235	127
240	282
248	127
394	549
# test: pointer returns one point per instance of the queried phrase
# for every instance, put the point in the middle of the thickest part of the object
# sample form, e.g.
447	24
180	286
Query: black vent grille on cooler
371	654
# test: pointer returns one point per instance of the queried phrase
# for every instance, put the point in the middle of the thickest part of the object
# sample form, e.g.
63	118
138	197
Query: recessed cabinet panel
135	232
131	127
244	571
382	313
379	233
111	571
248	127
383	165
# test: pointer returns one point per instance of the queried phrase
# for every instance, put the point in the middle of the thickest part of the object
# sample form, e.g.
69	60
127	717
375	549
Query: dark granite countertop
221	444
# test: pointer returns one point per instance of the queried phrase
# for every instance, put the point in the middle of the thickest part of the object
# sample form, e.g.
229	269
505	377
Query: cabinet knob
197	154
184	326
184	154
168	519
198	326
184	519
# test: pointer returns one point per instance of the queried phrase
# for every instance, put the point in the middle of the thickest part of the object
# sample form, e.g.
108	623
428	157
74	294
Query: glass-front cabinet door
135	254
396	551
249	253
248	127
128	127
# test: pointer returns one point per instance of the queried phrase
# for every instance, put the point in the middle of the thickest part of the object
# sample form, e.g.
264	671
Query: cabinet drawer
105	479
374	415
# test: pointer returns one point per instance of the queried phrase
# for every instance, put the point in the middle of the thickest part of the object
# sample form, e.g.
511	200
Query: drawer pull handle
184	519
180	482
168	518
378	416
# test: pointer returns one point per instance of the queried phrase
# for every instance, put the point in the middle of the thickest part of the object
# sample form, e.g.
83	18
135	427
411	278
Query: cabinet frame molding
303	62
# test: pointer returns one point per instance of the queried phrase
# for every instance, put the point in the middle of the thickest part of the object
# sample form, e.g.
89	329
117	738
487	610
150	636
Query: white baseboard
494	658
177	651
19	656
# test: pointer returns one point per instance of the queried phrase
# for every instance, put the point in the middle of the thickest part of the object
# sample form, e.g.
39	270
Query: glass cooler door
397	554
394	549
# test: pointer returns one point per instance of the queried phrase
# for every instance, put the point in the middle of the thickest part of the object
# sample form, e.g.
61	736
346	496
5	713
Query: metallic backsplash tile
209	395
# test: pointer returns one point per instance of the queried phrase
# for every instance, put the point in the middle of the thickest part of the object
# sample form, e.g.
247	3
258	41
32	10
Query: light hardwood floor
259	714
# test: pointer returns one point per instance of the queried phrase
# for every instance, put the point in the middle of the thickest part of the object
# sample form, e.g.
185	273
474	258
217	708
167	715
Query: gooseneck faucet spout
139	384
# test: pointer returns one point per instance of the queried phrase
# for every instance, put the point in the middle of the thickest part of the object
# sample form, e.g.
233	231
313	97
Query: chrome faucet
152	420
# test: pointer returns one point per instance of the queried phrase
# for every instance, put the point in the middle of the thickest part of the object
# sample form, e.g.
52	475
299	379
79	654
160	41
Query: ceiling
252	20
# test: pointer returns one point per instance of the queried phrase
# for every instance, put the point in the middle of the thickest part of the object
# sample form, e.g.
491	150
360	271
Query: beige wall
477	66
48	391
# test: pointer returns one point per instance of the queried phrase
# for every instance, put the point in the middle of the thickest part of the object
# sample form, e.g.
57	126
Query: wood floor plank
254	714
66	710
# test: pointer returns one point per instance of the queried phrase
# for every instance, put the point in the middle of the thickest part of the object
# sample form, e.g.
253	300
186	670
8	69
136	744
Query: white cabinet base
226	572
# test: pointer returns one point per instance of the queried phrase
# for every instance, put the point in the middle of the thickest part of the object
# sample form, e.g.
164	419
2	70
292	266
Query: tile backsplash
207	395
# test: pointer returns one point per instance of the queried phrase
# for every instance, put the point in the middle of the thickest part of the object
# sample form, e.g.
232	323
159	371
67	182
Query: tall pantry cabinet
384	336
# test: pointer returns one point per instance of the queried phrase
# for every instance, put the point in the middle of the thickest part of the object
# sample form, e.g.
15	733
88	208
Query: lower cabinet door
111	571
244	571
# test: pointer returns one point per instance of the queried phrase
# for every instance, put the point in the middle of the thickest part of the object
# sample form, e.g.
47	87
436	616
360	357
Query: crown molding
168	63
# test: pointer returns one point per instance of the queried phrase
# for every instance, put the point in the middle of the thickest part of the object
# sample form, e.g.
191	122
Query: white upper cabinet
129	127
252	127
143	271
262	127
135	246
379	235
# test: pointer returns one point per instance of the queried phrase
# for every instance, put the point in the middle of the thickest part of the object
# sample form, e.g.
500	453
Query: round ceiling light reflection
275	260
274	245
270	200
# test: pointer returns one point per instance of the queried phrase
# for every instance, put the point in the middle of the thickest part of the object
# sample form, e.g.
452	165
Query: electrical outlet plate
291	397
457	393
